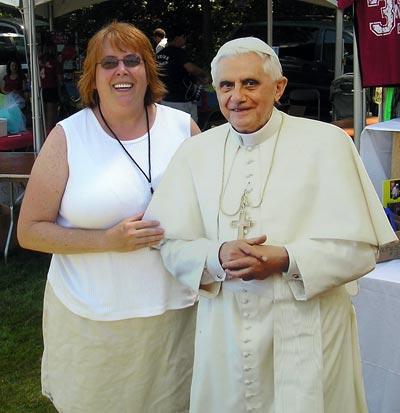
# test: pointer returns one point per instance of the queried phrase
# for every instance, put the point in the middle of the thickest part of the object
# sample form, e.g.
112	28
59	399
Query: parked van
11	25
12	46
12	43
15	25
306	49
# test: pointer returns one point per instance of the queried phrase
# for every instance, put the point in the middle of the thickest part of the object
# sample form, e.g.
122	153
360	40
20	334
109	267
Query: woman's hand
37	224
132	234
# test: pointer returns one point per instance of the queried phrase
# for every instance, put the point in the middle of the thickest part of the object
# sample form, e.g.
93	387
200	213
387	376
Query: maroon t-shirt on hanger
377	29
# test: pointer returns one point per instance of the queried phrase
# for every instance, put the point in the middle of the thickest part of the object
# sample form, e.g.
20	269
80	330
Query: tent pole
270	39
51	15
29	21
339	44
359	110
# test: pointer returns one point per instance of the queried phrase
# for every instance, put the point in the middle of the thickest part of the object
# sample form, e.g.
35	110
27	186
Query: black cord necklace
148	177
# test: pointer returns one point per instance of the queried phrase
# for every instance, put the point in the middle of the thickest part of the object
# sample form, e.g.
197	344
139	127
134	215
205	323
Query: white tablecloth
376	151
378	315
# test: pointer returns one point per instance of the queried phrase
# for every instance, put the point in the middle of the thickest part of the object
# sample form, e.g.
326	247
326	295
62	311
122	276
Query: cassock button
249	148
246	315
245	301
246	355
247	368
247	382
220	276
296	276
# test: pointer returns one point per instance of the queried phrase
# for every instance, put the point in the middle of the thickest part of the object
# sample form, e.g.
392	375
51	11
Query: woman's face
121	85
13	67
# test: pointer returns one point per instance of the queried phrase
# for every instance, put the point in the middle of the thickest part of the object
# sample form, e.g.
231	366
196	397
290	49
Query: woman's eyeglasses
111	62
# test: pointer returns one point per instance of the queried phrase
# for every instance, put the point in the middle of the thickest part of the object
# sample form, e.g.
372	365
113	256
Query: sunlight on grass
22	283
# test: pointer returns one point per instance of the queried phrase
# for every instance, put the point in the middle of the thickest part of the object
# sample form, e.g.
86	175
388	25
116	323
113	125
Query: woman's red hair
122	36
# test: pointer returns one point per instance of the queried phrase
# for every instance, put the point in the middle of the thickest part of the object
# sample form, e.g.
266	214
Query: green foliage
22	283
210	21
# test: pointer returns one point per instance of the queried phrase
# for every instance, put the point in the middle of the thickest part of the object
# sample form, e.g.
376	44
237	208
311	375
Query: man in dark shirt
159	37
180	76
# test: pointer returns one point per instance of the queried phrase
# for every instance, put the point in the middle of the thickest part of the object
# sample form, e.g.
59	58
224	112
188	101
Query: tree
210	21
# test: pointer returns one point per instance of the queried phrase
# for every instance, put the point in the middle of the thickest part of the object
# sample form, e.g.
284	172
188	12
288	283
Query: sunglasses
111	62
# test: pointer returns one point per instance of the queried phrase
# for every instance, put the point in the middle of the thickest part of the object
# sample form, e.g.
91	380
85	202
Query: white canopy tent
46	8
59	7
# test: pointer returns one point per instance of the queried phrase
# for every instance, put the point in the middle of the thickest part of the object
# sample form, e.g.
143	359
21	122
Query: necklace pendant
242	224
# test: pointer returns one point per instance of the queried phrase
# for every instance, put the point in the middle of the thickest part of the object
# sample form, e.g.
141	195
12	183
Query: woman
14	81
118	329
51	80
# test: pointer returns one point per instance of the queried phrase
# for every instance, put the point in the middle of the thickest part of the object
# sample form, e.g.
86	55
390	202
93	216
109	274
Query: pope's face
246	94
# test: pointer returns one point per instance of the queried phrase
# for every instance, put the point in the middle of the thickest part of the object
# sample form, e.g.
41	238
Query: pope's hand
233	250
132	234
257	263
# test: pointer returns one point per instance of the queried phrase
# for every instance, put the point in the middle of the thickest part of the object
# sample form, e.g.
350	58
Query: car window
7	29
259	31
7	50
328	50
296	42
20	46
12	47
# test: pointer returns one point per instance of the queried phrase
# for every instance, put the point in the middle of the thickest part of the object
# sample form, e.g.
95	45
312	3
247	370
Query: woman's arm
37	228
23	84
194	128
3	86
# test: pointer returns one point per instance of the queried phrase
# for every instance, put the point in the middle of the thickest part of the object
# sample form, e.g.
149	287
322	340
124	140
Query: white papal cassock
287	344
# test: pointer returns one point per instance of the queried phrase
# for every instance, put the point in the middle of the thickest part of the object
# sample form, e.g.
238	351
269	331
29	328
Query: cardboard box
390	251
396	219
3	127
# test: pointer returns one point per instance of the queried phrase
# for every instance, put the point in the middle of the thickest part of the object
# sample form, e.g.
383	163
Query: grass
22	282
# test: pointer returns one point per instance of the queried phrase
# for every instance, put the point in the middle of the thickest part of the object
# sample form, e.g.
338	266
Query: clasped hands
249	259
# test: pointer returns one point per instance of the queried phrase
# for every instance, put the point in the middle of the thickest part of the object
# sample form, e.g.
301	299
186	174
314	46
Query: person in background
69	96
159	37
14	81
118	328
14	85
51	81
68	60
276	329
179	74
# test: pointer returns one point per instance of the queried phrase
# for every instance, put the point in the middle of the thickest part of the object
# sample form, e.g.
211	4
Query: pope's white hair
247	45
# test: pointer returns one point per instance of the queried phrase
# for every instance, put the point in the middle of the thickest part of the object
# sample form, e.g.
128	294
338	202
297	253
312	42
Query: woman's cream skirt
140	365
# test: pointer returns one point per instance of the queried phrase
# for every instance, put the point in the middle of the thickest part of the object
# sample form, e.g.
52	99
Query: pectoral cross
244	221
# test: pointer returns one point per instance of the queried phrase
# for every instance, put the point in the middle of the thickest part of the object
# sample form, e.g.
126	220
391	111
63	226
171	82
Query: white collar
255	138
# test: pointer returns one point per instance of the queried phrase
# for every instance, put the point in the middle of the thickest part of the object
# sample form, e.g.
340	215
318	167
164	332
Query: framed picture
391	194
